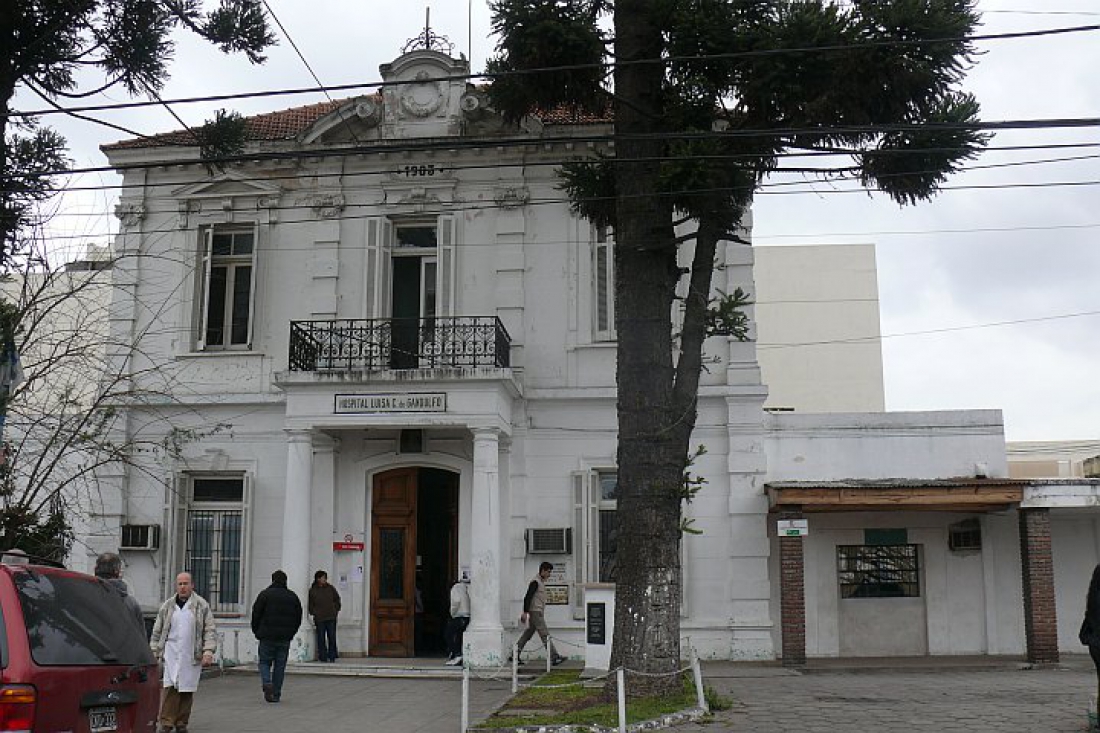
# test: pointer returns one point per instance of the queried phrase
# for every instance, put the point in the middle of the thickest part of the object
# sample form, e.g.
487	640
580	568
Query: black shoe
269	693
558	659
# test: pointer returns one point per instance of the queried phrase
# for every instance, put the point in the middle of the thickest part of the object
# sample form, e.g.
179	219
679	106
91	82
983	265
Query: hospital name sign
412	402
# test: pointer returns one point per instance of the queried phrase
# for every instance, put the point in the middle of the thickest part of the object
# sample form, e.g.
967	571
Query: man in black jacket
276	618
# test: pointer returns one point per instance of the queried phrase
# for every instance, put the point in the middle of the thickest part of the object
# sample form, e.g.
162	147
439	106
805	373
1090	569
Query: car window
73	620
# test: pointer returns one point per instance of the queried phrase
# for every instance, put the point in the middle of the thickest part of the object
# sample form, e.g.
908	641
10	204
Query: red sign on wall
347	546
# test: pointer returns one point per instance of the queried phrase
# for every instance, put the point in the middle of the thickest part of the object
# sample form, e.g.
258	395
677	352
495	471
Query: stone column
792	596
484	637
296	534
1037	566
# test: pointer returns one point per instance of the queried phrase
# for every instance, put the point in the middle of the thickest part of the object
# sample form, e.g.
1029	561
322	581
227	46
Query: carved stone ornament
422	98
512	198
130	213
328	206
185	208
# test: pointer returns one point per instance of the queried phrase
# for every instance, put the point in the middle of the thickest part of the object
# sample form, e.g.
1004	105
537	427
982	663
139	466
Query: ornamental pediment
228	184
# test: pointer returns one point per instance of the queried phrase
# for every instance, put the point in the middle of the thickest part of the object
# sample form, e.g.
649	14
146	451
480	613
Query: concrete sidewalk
975	695
234	704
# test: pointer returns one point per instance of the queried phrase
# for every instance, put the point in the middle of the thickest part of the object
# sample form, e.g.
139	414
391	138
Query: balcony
399	343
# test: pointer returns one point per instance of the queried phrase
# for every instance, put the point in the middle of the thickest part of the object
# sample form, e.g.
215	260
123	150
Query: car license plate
102	720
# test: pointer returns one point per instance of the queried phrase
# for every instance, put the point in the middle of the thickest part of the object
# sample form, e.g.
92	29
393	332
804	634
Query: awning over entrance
861	495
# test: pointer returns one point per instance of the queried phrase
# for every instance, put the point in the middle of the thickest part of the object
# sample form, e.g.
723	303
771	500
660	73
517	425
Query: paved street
954	698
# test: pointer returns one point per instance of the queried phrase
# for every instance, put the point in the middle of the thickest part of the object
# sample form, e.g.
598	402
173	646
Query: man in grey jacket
534	606
108	567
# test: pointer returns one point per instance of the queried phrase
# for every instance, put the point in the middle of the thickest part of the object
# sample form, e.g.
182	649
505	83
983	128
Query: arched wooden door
393	563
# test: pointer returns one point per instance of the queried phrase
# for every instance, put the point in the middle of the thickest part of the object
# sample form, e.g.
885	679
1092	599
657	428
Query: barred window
215	541
878	571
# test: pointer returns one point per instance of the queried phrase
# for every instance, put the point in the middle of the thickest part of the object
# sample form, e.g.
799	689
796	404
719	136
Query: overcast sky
1027	258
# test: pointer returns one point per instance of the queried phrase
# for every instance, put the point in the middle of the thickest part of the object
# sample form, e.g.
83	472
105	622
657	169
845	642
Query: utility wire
837	173
449	145
565	201
309	68
926	332
978	38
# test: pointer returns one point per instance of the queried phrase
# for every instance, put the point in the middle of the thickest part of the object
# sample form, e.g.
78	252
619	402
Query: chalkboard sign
597	623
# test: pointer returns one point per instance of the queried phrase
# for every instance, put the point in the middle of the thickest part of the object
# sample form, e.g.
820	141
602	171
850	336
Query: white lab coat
180	669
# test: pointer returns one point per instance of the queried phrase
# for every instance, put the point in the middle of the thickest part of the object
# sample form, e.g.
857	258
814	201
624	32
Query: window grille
214	541
878	571
965	536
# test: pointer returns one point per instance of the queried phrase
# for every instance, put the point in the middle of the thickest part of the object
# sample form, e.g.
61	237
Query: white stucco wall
818	319
885	445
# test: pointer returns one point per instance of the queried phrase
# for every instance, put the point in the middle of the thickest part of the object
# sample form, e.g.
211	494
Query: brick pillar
1037	565
792	597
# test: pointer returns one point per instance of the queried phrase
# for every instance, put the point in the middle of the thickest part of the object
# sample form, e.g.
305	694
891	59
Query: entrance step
428	669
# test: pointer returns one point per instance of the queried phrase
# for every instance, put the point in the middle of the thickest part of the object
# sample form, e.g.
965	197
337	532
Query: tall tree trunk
7	91
652	446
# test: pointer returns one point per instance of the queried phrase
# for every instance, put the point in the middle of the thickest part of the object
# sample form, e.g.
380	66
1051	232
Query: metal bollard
465	695
549	656
515	668
620	679
697	673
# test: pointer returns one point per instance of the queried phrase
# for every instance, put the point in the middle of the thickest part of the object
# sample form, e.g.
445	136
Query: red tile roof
289	123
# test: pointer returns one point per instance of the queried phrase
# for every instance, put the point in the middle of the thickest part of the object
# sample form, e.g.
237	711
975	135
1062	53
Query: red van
72	657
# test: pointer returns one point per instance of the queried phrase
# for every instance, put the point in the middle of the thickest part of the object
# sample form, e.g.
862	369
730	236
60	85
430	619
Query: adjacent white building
392	352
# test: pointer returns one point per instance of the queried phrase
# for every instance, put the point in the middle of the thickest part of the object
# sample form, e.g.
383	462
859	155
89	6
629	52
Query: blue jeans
326	632
273	656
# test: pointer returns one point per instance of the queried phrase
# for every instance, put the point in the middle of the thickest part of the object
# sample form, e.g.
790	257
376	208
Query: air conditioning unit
554	541
140	537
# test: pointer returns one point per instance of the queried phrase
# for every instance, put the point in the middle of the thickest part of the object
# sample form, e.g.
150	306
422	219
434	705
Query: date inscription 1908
419	171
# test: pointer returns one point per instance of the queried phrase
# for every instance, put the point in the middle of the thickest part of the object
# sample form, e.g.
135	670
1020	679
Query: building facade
390	355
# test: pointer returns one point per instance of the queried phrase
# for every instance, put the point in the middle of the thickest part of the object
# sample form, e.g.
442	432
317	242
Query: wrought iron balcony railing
399	343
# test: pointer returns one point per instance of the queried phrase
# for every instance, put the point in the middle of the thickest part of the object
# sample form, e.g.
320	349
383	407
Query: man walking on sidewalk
184	640
534	606
276	618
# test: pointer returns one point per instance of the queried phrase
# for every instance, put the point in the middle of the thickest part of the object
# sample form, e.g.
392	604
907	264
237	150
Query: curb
665	721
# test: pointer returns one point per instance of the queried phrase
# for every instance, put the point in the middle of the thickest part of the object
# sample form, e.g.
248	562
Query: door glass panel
391	576
429	307
215	307
242	298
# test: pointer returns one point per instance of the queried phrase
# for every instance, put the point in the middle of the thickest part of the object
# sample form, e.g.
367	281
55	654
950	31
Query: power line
926	332
309	68
344	174
564	201
976	38
911	232
453	145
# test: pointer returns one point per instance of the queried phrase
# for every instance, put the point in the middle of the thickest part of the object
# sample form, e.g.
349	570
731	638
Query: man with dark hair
108	566
276	618
534	607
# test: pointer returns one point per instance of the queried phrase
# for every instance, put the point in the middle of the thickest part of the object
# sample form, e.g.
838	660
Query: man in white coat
184	640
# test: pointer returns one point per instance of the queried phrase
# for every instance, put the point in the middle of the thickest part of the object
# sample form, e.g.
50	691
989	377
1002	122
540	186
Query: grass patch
576	705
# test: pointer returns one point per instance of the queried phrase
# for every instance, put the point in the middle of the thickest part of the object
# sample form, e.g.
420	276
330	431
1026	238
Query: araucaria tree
709	98
47	43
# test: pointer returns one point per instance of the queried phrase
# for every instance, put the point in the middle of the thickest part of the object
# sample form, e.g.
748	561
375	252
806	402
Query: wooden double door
414	551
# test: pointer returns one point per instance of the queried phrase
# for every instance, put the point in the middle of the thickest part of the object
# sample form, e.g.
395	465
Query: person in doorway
1090	636
276	618
534	608
460	618
108	567
184	640
324	606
